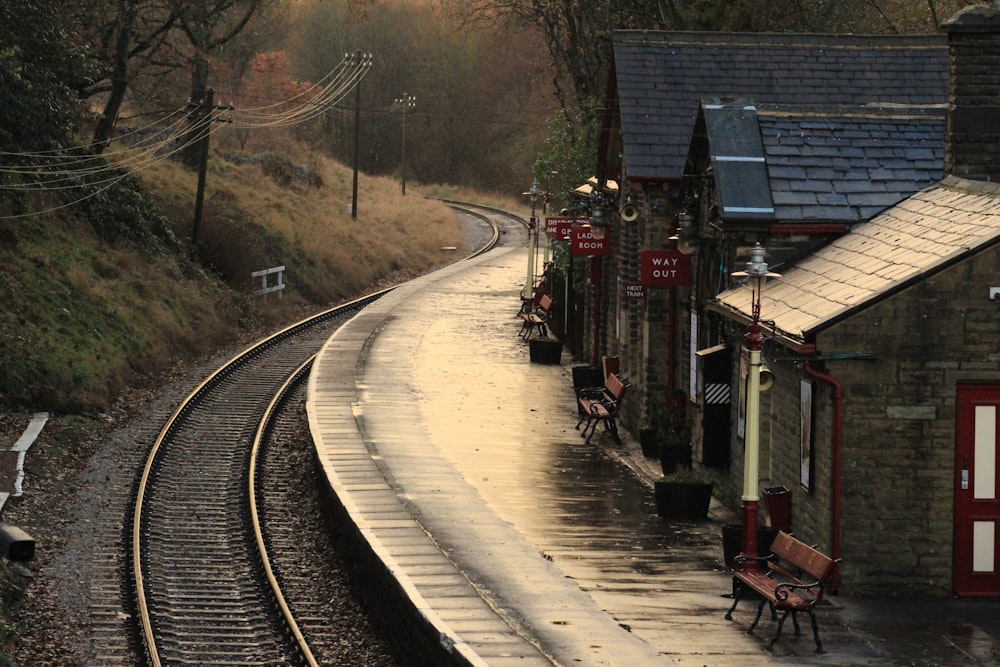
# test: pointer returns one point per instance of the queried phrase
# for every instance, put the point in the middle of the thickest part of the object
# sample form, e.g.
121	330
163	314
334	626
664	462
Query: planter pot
674	457
649	443
545	351
681	500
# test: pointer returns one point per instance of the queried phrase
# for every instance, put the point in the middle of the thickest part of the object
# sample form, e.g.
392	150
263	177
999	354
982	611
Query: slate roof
816	164
661	78
932	229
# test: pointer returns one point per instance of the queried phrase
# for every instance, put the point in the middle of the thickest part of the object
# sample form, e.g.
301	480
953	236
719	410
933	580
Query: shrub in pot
673	428
683	494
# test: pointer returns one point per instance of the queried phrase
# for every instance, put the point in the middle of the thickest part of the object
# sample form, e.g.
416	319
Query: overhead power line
66	169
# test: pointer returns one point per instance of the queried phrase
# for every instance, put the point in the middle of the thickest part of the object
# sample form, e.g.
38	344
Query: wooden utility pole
357	132
204	114
405	104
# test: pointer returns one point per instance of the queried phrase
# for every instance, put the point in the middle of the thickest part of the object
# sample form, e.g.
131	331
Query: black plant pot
542	351
649	443
674	457
682	500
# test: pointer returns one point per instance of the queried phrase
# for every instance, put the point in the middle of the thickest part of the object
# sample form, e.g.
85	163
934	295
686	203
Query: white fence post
265	288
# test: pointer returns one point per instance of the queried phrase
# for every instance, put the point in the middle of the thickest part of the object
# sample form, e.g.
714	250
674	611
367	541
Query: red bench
537	319
772	578
600	405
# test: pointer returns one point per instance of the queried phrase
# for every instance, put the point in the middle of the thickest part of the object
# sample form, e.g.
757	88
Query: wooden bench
537	319
600	405
791	579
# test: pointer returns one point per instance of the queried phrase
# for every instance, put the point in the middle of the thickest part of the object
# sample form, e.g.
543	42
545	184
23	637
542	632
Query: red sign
584	243
665	268
559	226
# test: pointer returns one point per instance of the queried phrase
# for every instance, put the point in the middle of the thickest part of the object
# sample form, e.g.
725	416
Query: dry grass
270	212
93	308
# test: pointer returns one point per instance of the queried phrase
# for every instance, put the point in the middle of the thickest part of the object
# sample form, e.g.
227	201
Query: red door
976	570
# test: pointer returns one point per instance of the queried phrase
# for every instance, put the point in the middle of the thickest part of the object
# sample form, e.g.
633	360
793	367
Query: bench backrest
545	303
615	386
802	556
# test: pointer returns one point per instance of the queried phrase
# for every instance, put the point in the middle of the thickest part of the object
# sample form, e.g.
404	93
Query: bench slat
802	556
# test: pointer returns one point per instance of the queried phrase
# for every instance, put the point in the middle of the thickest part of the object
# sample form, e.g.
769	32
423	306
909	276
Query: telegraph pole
404	104
204	113
357	132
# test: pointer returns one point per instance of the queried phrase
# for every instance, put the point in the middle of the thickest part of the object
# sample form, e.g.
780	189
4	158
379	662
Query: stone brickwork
898	441
972	142
639	329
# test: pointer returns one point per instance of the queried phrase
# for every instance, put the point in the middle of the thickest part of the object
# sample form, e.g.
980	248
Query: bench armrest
742	559
609	405
592	393
782	590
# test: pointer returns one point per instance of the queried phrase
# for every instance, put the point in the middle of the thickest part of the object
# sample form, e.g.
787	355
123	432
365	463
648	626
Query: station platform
495	536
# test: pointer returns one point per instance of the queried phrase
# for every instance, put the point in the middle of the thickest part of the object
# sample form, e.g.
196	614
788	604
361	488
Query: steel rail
259	437
146	629
186	406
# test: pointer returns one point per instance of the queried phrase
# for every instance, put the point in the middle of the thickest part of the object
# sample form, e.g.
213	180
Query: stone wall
972	140
898	439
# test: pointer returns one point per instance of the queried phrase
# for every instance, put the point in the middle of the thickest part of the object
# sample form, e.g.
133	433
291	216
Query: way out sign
584	243
665	268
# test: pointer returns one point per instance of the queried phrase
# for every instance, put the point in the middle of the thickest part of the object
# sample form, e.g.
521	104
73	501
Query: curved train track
206	586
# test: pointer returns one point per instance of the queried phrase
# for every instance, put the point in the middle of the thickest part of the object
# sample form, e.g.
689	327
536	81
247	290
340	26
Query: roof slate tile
682	68
929	230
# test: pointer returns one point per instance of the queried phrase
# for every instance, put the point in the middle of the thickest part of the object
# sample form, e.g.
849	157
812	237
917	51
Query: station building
866	166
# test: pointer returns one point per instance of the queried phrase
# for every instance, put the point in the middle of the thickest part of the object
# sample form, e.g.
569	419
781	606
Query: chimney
972	135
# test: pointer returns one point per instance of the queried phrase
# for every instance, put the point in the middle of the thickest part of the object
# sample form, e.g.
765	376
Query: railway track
213	568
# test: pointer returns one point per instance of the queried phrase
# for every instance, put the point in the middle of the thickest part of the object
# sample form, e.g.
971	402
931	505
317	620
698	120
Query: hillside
110	292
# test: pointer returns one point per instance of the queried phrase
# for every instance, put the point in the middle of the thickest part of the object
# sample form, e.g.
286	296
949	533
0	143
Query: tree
481	96
578	34
153	39
125	37
569	156
40	70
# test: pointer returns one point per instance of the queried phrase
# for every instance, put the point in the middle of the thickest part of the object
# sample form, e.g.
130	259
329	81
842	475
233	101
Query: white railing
264	276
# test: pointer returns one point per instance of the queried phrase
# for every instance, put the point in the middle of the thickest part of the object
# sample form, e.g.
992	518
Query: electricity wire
63	169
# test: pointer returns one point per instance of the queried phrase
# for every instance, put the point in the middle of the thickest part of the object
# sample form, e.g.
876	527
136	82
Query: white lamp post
756	274
529	284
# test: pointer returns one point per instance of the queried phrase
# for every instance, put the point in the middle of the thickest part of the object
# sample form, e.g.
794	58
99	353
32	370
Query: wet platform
507	540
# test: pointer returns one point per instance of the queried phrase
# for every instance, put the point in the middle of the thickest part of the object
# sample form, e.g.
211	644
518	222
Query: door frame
967	509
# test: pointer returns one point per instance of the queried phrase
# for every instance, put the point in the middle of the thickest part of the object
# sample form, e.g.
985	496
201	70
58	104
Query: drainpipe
596	278
838	418
672	335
